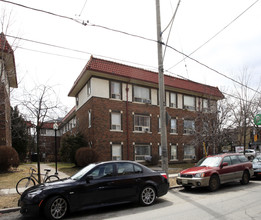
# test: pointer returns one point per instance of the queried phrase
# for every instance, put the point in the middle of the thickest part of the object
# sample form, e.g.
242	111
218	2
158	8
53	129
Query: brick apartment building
117	111
7	79
47	141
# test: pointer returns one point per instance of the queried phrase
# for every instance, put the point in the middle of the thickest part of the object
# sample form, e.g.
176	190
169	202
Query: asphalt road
231	201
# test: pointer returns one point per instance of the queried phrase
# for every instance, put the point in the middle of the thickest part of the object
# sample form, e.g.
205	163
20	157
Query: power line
73	50
217	33
133	35
210	68
43	11
83	8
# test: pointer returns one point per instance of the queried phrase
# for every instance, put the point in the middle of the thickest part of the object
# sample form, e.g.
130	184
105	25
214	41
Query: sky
237	46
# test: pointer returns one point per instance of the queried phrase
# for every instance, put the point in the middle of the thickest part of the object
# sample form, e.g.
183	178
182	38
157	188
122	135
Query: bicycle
30	181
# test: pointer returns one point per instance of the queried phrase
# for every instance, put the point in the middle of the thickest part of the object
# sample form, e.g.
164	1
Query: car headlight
33	194
178	174
198	175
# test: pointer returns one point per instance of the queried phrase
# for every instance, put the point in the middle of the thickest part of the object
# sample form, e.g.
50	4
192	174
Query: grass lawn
8	180
68	168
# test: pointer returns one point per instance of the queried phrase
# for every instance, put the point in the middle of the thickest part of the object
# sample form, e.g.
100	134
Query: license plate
185	181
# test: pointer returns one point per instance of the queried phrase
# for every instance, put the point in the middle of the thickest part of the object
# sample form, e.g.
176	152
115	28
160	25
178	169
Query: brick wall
100	136
5	118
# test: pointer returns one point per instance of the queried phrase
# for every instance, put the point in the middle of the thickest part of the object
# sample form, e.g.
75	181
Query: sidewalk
42	166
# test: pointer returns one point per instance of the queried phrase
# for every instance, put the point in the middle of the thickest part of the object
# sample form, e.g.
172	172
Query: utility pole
162	102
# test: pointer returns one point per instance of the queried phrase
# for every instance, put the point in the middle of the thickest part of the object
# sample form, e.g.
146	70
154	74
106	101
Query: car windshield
257	159
82	172
209	162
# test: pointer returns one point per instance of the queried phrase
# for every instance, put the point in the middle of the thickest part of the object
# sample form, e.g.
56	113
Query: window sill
173	133
142	132
115	99
116	130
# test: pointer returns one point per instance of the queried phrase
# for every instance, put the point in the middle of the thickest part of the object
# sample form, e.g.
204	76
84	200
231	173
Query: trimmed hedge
85	156
8	158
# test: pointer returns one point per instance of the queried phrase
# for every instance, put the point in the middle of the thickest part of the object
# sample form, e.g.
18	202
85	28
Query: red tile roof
126	71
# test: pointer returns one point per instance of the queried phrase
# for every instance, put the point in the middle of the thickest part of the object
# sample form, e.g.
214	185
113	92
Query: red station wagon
214	170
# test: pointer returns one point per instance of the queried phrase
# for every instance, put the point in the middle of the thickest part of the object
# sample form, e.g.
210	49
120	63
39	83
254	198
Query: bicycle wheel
51	178
24	184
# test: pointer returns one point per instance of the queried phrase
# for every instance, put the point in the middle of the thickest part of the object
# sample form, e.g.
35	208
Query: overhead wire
171	23
138	36
221	30
73	50
83	8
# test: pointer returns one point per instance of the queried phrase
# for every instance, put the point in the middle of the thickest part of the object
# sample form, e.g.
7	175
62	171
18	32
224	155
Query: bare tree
246	105
211	124
41	104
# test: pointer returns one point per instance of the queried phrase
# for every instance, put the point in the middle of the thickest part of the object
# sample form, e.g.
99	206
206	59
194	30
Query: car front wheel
214	183
147	196
55	208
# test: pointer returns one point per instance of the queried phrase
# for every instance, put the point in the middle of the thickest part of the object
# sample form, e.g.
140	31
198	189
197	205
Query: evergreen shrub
85	156
8	158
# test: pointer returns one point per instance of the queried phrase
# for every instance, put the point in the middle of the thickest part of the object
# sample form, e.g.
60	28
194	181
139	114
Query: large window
189	102
173	152
142	123
141	151
189	152
115	91
189	126
205	105
173	100
141	94
116	121
173	126
116	152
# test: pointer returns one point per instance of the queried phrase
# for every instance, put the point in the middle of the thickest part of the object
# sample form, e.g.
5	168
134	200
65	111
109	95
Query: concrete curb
8	210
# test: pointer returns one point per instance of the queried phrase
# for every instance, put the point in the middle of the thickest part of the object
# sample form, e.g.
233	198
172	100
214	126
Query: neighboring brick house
68	123
117	111
7	79
47	141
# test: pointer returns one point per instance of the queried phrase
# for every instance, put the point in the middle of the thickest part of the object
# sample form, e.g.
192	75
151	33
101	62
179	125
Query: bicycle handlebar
32	169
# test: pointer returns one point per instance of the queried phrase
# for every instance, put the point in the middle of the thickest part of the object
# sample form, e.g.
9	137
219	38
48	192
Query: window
227	160
234	160
189	126
141	94
116	121
160	151
205	106
116	152
142	123
159	121
173	152
89	118
141	151
205	128
189	152
102	171
189	102
173	126
89	88
43	131
115	92
173	100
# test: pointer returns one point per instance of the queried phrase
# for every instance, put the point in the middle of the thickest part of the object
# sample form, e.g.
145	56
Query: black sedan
100	184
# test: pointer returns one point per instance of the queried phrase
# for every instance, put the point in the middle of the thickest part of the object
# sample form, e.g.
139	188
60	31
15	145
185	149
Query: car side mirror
88	178
224	164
